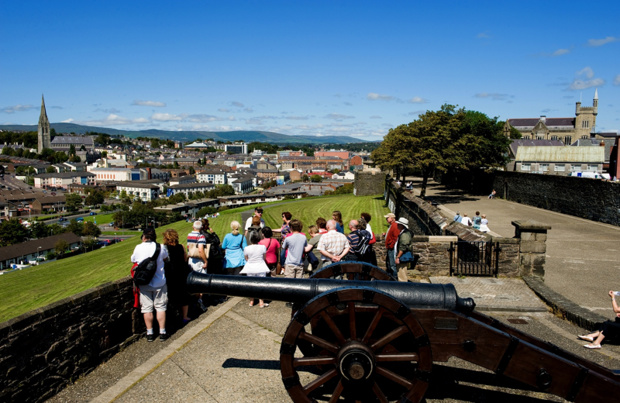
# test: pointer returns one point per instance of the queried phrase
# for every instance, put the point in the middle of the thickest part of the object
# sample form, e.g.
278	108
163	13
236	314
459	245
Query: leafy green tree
61	247
76	227
89	243
90	229
12	232
39	229
305	178
316	178
440	141
72	150
73	201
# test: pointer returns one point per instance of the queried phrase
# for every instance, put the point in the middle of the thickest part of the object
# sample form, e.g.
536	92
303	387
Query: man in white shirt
258	211
333	245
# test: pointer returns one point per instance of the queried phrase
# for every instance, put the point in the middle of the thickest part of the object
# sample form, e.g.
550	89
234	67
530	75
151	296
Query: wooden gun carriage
376	340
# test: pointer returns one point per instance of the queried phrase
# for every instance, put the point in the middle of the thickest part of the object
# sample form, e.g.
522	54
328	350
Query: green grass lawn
37	286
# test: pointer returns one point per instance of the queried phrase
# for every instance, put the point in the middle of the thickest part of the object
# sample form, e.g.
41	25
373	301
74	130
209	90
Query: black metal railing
474	258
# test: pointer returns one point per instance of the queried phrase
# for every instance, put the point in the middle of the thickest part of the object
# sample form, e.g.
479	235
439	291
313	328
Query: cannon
354	340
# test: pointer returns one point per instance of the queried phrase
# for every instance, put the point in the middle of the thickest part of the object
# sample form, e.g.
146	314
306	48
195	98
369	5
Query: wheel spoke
392	376
319	342
393	335
393	357
373	325
379	393
305	361
320	380
330	322
336	393
352	324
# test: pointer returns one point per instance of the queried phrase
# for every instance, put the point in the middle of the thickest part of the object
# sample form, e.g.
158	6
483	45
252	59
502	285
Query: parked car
61	219
80	219
93	213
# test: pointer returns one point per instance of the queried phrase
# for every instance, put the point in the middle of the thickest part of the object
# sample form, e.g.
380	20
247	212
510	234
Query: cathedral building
44	129
567	130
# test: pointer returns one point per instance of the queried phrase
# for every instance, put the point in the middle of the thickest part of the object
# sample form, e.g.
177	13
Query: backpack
362	246
215	250
144	272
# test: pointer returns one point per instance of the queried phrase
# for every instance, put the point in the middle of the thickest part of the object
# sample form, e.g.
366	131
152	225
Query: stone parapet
44	350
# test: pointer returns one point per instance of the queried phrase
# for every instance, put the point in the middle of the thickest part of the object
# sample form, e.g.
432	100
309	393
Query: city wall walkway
582	259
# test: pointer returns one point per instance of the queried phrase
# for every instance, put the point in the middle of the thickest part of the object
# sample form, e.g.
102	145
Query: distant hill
247	136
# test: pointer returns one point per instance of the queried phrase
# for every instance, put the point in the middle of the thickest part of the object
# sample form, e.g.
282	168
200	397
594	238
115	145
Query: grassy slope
38	286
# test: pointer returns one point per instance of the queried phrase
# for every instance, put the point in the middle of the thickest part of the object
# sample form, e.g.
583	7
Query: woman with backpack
215	255
177	269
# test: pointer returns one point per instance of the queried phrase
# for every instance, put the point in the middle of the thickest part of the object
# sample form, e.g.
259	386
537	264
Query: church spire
44	129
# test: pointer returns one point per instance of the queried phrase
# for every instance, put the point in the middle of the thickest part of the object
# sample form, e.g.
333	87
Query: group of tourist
174	262
253	251
479	221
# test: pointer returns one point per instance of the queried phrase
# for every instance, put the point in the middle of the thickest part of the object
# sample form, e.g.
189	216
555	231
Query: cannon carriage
360	340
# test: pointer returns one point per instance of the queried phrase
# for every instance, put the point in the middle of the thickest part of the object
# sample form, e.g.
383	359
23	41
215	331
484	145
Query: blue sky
355	68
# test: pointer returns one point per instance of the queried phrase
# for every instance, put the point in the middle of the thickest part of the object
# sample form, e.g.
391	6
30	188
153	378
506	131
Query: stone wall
368	183
44	350
592	199
432	230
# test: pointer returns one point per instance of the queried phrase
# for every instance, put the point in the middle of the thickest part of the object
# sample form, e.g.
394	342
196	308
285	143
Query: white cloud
155	104
17	108
373	96
617	80
166	117
560	52
601	42
586	71
580	84
223	110
67	121
417	100
483	35
237	104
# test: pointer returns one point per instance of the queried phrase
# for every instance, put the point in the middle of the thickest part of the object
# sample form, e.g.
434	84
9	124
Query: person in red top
390	241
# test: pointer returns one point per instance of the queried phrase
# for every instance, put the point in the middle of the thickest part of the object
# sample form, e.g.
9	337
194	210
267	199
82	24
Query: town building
63	179
562	160
567	130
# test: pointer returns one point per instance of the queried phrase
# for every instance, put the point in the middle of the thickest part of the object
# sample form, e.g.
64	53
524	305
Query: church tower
44	129
585	119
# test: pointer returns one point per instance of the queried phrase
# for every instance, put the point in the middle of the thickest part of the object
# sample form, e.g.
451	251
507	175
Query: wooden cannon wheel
370	347
353	271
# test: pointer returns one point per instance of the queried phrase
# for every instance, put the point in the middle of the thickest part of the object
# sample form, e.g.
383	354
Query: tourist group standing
253	251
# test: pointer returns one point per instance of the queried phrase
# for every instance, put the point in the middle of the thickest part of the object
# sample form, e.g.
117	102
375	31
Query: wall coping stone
530	226
559	304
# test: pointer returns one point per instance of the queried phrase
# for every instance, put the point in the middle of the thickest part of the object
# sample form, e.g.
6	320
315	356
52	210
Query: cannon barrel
418	295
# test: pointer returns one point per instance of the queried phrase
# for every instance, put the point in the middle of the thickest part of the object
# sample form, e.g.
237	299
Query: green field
37	286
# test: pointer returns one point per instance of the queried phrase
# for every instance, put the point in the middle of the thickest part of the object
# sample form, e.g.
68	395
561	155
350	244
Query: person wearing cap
403	244
390	240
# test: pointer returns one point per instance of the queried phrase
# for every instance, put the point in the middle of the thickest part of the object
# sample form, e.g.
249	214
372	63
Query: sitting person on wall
608	330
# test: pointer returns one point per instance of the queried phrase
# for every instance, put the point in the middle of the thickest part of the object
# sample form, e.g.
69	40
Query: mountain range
243	135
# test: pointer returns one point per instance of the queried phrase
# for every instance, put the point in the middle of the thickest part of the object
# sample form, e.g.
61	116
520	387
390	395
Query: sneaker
150	337
202	305
265	305
289	304
163	337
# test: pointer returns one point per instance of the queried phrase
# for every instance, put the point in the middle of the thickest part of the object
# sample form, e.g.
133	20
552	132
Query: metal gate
474	258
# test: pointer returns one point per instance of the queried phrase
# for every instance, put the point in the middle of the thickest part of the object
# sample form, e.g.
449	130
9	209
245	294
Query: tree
39	229
90	229
440	141
73	201
12	232
316	178
61	246
76	227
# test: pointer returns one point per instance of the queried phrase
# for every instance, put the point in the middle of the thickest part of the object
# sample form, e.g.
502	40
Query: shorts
153	298
196	265
293	271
